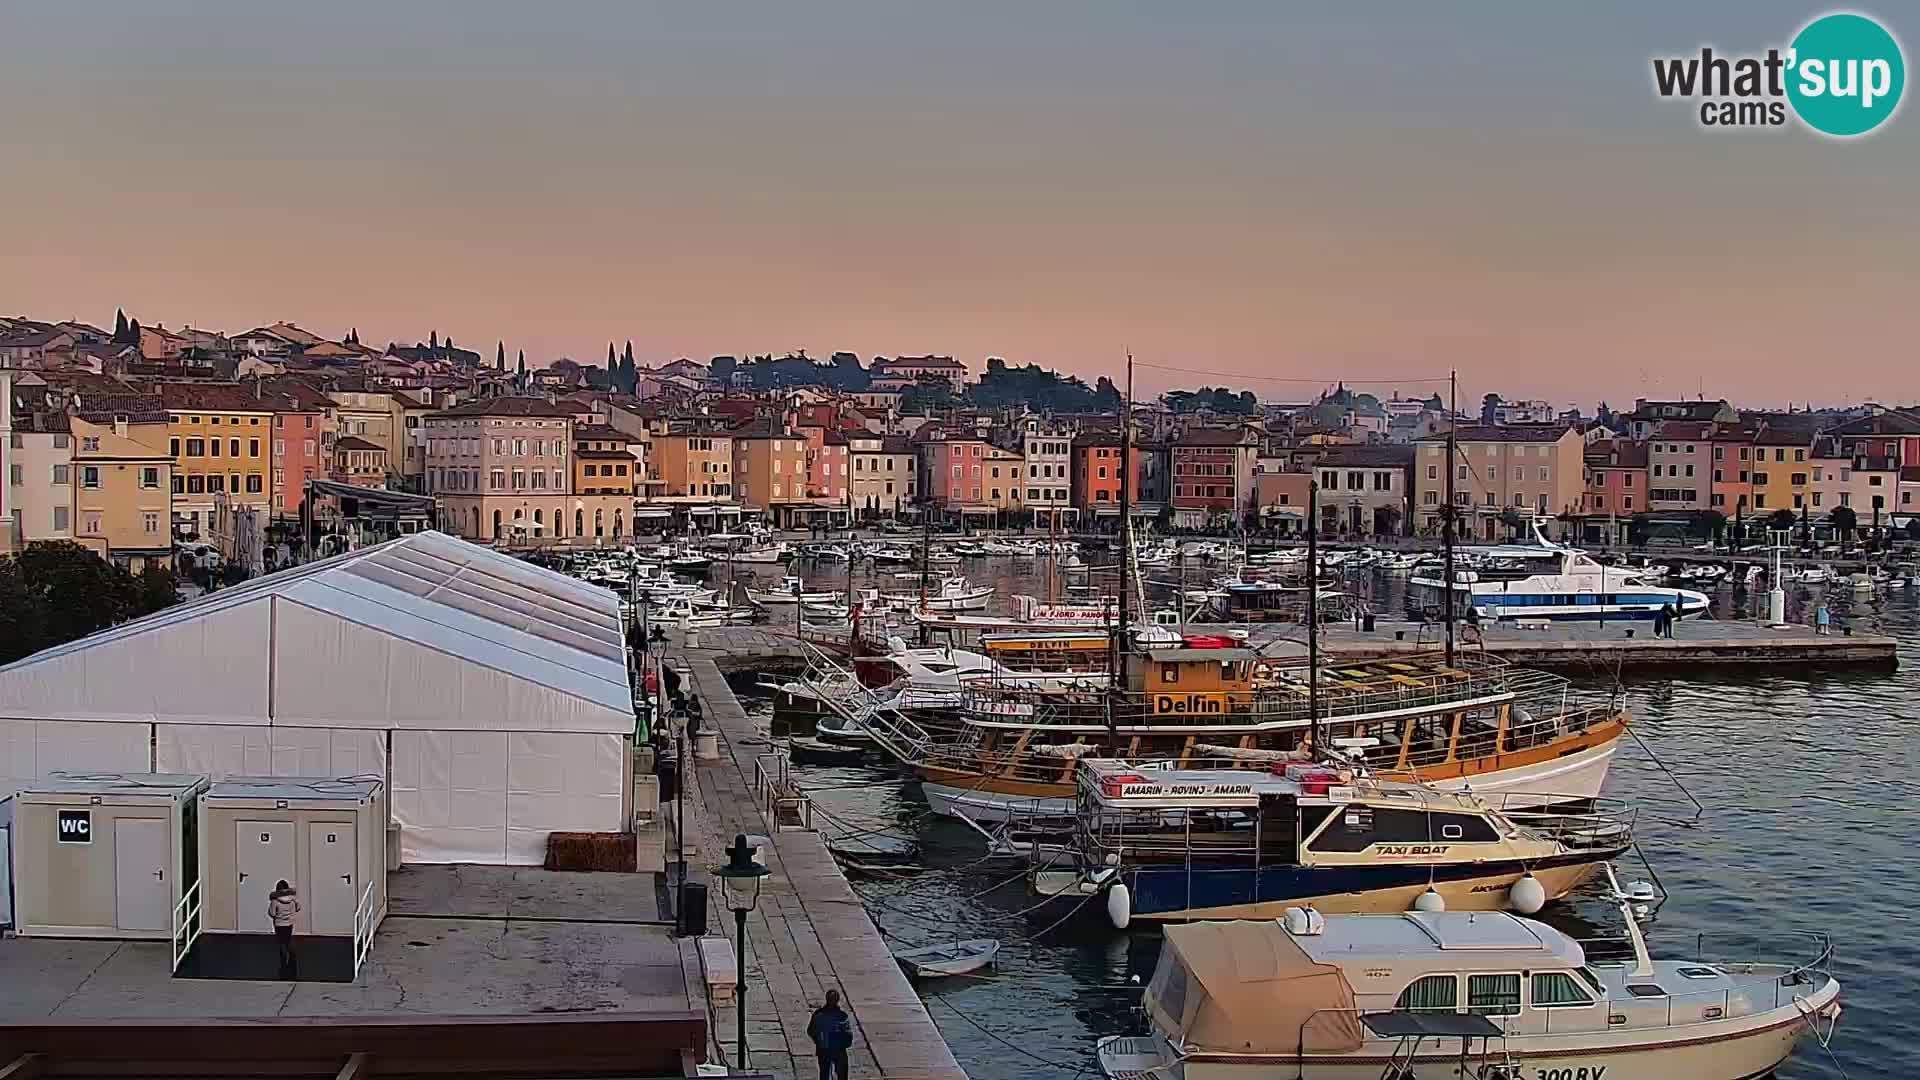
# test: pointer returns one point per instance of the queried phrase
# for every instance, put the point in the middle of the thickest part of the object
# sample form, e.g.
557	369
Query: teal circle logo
1845	74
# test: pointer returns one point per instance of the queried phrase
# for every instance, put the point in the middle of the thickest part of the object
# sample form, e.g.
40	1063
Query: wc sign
75	827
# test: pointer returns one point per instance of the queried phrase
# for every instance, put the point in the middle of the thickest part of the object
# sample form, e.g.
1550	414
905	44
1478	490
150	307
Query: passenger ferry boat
1008	748
1445	995
1544	580
1241	843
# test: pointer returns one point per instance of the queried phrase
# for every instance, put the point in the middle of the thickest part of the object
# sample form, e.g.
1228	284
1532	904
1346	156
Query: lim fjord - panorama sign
1843	75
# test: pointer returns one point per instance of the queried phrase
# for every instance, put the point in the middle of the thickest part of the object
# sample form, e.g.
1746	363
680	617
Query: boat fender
1527	896
1429	901
1119	906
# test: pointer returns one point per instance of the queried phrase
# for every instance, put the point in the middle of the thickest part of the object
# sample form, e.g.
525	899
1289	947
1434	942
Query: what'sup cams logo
1843	75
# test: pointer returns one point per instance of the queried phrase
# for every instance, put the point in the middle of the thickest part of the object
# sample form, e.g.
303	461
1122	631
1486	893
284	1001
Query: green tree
720	369
433	340
54	592
499	356
520	374
119	326
1780	520
1844	520
158	588
1513	521
629	380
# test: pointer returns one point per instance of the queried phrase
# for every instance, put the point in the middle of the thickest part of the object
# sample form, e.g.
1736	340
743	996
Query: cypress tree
433	339
119	324
499	356
520	379
629	375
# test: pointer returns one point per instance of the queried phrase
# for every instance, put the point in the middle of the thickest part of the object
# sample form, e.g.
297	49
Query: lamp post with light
740	883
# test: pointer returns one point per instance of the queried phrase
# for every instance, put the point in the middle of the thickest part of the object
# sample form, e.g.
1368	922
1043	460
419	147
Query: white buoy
1429	901
1527	896
1119	906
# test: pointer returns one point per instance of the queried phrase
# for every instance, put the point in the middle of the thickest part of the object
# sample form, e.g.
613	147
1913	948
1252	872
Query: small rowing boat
951	958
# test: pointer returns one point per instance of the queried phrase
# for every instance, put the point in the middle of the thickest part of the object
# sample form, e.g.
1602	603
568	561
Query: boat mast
1126	521
1313	614
1447	512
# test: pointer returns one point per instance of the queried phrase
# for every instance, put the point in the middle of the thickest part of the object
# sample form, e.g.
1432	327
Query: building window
59	519
90	477
179	484
196	447
253	483
151	520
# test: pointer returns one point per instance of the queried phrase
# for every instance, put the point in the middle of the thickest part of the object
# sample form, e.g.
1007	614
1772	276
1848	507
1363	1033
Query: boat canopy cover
1246	987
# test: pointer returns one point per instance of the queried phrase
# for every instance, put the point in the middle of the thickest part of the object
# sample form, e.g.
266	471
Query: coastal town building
1212	474
1501	474
122	480
220	437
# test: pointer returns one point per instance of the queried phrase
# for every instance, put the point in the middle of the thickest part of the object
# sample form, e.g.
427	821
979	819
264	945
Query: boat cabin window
1430	993
1588	976
1493	995
1645	990
1557	989
1698	973
1357	828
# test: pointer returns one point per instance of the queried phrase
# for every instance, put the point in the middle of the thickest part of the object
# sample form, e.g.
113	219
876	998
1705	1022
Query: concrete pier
809	934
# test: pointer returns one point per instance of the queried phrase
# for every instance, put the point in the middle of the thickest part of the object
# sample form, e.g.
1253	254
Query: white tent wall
30	749
224	751
560	783
211	668
450	795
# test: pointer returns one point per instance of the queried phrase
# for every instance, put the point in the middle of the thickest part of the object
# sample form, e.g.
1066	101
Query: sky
1275	196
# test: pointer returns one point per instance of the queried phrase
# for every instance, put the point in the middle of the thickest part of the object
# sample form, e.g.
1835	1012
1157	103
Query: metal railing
364	914
1277	695
1785	986
186	925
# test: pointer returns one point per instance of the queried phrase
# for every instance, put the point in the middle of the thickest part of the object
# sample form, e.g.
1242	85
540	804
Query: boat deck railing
1765	988
1278	695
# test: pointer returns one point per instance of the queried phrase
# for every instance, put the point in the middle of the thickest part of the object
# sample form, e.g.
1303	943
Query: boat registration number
1583	1072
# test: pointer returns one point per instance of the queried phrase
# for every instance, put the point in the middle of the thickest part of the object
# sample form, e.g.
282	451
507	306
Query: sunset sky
1260	189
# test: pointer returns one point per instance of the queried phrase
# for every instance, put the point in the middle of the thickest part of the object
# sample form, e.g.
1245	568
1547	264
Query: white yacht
1544	580
1427	995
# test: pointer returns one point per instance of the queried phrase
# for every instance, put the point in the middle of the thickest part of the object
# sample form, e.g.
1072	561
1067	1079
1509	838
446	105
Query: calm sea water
1811	788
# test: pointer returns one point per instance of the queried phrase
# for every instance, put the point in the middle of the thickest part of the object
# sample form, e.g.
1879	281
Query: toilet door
333	890
142	897
263	857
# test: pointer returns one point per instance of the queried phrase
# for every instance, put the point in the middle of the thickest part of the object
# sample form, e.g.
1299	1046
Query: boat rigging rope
1699	811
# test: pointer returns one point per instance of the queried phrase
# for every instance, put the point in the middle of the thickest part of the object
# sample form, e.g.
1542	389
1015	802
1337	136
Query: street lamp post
740	883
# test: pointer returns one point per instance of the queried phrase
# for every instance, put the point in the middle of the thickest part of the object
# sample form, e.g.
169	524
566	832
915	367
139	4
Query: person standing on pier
832	1035
282	905
1663	626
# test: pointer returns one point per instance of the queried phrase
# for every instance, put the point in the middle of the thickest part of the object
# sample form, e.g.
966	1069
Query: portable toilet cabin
325	837
108	855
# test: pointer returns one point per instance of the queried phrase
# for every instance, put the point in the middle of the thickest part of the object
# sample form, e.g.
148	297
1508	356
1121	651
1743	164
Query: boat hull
1540	776
1171	892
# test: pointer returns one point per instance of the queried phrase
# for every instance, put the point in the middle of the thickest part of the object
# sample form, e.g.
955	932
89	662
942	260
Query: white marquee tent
491	695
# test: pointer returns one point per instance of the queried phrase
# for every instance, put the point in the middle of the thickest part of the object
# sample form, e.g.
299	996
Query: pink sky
1310	197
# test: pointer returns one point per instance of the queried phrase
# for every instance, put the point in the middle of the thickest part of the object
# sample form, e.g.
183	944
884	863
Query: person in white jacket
283	903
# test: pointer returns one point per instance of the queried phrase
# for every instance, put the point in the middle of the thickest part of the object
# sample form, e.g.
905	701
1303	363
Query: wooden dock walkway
810	932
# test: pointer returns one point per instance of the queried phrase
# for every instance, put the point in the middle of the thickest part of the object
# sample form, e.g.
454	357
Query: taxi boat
1009	748
1240	843
1445	995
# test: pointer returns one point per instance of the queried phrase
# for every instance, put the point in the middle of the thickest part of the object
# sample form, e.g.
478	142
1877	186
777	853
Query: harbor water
1809	785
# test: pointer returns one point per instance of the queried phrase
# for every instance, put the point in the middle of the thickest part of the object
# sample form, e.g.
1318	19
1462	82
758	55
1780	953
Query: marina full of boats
1357	847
